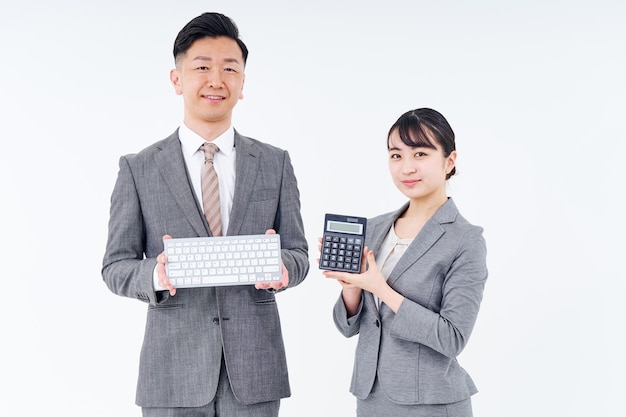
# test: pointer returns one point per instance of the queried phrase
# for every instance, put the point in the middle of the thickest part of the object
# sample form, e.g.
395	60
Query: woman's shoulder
386	217
456	225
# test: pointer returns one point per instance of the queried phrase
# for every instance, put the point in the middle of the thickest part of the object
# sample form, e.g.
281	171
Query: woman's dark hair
419	127
208	25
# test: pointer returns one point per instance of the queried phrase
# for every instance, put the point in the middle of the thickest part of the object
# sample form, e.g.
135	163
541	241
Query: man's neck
208	130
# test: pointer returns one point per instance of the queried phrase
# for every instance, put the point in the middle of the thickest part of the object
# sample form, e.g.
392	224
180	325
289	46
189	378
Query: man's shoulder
150	150
256	143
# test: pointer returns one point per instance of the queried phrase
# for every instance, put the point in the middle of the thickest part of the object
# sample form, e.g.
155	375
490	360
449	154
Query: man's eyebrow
208	58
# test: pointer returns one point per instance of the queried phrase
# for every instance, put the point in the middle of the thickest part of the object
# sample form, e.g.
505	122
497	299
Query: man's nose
214	78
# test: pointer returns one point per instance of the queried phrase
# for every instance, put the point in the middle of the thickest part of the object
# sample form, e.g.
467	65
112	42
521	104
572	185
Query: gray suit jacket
185	334
413	353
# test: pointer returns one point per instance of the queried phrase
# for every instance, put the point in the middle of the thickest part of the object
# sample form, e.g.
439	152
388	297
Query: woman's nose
408	167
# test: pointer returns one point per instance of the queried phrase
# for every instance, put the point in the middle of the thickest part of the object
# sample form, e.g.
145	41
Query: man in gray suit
212	351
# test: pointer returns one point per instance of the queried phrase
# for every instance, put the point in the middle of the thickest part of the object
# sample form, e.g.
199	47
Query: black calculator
342	243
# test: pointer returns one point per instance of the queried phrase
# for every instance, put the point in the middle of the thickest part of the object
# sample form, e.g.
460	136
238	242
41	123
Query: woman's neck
425	208
409	224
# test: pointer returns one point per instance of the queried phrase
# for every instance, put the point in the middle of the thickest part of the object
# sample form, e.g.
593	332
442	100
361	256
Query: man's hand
274	286
164	281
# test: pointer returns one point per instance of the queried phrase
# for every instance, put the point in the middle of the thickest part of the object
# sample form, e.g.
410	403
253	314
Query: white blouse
390	253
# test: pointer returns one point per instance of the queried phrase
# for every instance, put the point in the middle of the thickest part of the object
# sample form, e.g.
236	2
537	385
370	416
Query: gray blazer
186	334
413	353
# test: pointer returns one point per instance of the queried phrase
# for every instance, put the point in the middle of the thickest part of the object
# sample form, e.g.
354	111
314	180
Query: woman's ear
450	162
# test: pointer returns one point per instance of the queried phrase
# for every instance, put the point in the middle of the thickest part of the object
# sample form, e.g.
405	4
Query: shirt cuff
155	280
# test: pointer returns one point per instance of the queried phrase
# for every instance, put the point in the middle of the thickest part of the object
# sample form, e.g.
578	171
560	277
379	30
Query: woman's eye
420	154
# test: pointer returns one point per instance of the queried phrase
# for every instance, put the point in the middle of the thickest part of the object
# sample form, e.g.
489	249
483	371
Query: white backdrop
535	92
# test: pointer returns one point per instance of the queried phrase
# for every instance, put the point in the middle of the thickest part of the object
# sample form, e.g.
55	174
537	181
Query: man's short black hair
208	25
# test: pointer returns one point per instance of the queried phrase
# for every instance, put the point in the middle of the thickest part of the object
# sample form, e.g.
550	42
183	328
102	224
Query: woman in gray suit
416	301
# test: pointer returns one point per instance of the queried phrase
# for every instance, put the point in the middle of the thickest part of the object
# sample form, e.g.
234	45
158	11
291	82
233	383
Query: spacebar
220	279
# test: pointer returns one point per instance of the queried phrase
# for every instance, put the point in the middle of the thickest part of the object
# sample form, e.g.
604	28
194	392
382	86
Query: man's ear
175	79
242	84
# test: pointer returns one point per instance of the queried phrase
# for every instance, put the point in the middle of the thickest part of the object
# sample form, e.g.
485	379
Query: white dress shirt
224	163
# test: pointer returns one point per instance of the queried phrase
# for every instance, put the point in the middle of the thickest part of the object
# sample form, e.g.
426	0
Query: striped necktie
211	190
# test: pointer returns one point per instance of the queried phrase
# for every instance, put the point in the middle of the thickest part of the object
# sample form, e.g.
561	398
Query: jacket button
216	320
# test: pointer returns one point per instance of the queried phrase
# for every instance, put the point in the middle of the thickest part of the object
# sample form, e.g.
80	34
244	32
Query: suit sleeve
290	226
347	326
448	330
124	269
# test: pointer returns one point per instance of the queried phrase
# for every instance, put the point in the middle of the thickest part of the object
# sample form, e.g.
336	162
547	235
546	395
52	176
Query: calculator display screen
342	227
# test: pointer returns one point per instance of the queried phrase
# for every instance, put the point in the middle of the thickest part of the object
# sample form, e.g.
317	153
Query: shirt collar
191	141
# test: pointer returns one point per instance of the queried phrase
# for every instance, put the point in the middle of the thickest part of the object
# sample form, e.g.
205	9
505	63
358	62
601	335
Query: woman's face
419	172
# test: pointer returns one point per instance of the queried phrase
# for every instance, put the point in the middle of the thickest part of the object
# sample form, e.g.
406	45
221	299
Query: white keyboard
223	260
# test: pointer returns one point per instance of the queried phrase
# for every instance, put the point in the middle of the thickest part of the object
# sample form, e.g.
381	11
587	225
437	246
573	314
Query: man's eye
230	70
203	68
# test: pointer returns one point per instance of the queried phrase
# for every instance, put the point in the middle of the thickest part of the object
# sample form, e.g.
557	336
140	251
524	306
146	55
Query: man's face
210	77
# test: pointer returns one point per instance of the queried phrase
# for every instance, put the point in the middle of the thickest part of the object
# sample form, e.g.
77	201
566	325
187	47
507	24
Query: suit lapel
169	162
425	239
246	170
